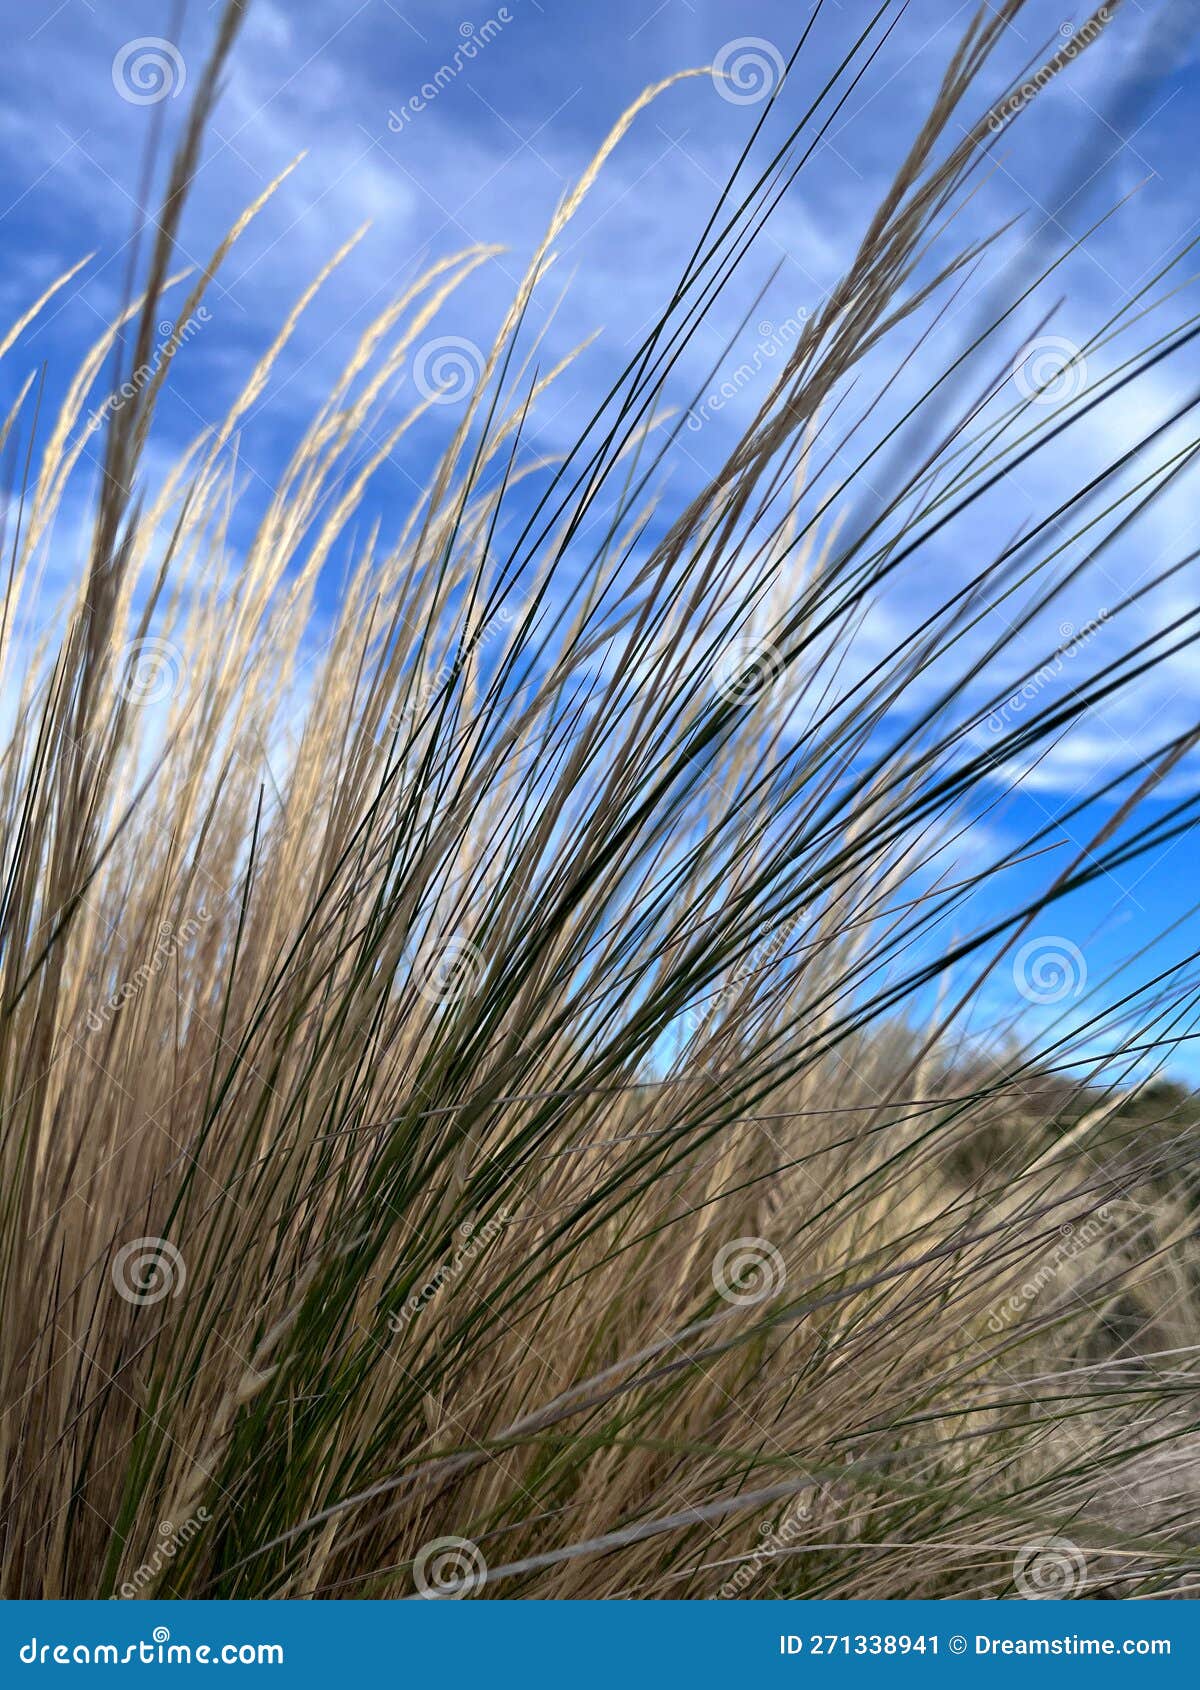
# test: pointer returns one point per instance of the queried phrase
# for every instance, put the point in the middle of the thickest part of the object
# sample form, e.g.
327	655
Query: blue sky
488	158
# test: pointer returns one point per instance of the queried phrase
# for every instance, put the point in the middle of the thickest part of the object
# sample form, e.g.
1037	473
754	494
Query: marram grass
488	1104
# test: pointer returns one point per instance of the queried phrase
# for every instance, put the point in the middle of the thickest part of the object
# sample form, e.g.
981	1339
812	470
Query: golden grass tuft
468	1074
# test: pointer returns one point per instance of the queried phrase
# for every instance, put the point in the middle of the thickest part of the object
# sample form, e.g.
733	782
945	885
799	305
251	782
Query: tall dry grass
478	1113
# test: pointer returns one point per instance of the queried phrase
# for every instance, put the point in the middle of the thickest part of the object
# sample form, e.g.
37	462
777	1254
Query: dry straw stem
537	1045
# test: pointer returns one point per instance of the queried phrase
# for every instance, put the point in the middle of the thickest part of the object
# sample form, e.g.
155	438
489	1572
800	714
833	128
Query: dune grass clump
490	1100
